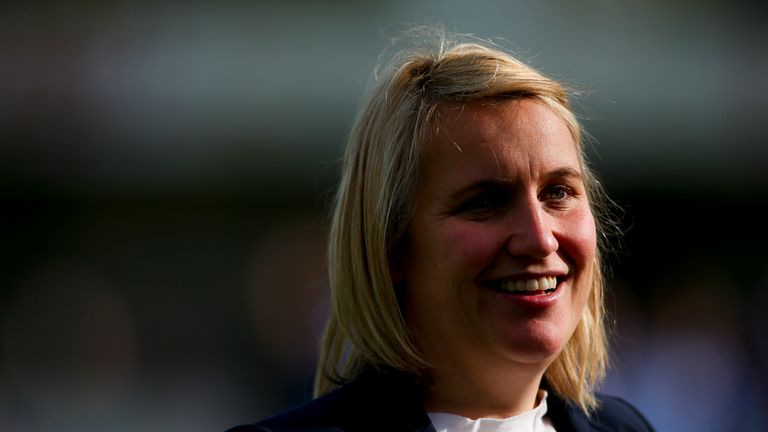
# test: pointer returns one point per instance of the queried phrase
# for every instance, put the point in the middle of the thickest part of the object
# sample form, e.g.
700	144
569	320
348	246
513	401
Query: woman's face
498	261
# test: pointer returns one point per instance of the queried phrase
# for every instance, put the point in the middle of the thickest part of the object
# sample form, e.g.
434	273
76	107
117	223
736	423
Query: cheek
582	249
470	245
441	262
581	239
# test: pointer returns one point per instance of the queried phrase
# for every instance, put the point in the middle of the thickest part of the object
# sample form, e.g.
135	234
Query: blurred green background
166	168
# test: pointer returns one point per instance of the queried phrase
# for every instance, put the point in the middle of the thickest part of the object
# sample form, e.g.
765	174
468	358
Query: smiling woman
494	221
464	259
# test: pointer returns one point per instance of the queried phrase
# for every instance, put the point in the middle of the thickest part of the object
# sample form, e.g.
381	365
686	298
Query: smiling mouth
535	286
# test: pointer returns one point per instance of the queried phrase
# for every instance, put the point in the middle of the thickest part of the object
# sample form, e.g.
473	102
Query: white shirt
529	421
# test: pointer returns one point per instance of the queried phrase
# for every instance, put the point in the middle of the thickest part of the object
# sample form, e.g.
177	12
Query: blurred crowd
165	171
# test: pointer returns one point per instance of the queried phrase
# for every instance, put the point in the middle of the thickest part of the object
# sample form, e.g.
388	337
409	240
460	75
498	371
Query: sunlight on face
498	259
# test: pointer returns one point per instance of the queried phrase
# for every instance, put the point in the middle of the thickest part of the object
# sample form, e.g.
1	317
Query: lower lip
533	302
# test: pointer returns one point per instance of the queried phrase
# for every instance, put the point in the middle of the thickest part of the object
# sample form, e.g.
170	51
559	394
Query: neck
484	393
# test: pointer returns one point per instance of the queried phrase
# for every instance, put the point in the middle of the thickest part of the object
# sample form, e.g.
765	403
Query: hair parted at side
376	197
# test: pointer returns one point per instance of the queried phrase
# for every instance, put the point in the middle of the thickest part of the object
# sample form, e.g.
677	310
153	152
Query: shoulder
612	415
618	414
322	414
371	402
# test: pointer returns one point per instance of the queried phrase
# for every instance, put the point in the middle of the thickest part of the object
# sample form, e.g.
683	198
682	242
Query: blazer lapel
566	417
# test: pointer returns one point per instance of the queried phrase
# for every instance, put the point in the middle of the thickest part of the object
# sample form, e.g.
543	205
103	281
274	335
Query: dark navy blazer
379	401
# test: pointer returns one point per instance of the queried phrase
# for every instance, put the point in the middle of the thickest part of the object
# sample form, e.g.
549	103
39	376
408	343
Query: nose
531	230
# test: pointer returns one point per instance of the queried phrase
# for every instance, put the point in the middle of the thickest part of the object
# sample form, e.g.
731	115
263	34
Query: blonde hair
376	197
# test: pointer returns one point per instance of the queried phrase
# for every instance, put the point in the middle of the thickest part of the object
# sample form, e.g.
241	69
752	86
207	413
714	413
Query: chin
540	347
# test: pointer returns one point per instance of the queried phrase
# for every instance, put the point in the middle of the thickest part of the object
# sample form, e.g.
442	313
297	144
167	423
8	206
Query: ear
397	262
398	257
397	275
396	269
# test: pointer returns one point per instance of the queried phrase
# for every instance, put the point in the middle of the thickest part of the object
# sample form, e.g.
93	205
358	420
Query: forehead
504	136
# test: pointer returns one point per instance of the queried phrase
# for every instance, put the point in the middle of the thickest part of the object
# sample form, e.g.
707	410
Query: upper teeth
537	284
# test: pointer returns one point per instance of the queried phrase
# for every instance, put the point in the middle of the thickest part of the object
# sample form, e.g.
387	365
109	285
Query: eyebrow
502	184
564	172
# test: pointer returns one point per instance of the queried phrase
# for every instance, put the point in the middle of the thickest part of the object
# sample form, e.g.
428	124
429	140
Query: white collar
529	421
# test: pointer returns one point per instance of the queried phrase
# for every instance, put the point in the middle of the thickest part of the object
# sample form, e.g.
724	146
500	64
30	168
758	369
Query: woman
464	259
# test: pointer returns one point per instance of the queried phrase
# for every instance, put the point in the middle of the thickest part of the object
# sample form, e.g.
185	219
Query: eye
558	193
482	204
